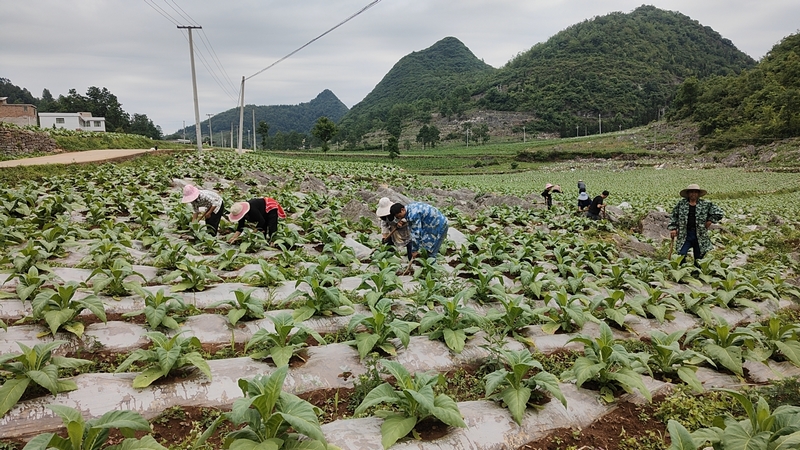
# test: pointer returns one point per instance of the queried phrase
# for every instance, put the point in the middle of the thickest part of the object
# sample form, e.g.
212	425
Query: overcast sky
134	48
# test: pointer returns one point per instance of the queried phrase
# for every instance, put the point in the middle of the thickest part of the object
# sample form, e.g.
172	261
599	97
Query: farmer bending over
428	226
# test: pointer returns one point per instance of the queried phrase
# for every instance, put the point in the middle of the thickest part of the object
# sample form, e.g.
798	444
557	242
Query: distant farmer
263	211
583	201
691	219
547	194
597	206
393	233
207	206
427	224
581	186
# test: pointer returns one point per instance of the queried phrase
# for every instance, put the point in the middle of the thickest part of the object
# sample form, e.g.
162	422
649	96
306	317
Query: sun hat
557	188
238	210
548	186
583	196
190	193
384	205
693	187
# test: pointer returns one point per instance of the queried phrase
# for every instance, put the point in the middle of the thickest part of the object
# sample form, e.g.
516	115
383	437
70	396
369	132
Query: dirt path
74	157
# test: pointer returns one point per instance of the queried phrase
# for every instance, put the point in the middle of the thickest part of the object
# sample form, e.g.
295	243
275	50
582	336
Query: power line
375	2
162	12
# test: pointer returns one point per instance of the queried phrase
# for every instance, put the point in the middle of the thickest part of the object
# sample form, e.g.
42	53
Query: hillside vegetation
622	68
758	106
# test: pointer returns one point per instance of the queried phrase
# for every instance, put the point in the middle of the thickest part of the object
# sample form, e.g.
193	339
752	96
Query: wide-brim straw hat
384	205
238	210
556	188
190	193
693	187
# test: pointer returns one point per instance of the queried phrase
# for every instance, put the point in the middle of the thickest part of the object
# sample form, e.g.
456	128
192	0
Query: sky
136	50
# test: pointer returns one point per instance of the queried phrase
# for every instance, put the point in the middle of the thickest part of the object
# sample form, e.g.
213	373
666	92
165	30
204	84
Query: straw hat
238	210
693	187
384	205
557	188
190	193
583	196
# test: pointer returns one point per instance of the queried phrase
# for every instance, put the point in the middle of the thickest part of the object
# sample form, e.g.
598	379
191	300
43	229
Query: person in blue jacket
428	226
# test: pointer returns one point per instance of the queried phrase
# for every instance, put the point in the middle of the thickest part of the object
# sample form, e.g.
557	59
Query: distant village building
16	113
82	121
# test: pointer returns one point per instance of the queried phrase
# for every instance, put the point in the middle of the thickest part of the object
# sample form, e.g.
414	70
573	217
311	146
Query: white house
72	121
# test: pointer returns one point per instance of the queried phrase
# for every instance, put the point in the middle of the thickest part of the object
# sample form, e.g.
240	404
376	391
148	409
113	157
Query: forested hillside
423	82
623	68
283	119
755	107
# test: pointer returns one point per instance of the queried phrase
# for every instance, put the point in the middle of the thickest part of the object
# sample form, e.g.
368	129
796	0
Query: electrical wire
375	2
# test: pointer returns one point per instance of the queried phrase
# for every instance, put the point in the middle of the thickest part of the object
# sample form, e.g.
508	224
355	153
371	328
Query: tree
47	101
393	148
428	135
142	125
263	130
324	130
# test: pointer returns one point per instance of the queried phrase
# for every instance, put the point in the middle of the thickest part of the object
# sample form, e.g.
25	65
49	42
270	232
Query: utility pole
523	133
184	130
197	130
210	130
254	130
576	130
241	118
599	123
231	134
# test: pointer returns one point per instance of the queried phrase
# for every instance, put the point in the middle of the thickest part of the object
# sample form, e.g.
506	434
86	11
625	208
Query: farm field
124	314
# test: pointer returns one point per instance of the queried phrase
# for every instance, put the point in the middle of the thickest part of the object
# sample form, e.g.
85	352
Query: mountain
621	67
284	118
755	107
420	81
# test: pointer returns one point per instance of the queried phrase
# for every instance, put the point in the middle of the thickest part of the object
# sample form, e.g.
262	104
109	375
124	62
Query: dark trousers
693	243
271	220
212	223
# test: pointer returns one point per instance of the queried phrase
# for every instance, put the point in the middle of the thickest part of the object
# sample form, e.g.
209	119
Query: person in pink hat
264	211
207	205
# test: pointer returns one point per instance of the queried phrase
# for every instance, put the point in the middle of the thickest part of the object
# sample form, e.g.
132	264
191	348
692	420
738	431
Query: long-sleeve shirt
705	211
207	199
427	225
259	207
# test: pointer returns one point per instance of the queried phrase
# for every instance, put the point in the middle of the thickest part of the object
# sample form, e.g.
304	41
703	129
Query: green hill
417	85
281	118
622	67
755	107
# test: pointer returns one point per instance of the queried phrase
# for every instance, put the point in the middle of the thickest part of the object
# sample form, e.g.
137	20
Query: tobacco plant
656	304
670	360
273	419
411	402
35	365
165	356
455	323
723	344
516	382
30	284
113	280
283	343
379	327
60	309
242	306
159	308
779	338
607	363
195	276
610	308
762	429
568	313
93	434
267	275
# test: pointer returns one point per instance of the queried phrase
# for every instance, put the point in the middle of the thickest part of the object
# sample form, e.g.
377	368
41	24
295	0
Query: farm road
74	157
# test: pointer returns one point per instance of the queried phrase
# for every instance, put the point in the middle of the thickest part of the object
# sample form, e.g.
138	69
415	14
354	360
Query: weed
697	411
